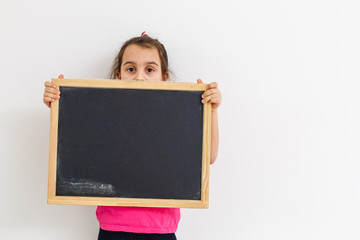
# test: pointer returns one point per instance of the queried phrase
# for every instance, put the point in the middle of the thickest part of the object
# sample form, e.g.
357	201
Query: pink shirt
138	219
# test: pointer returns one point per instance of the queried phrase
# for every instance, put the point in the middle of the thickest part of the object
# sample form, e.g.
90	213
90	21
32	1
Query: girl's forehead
138	53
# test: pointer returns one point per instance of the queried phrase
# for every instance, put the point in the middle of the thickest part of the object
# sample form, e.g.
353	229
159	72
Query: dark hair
146	42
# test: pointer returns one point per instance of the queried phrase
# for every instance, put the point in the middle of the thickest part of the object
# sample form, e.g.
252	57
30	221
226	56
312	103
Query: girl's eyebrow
147	63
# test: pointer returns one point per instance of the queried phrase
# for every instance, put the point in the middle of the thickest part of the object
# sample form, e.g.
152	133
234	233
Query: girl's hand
212	95
51	92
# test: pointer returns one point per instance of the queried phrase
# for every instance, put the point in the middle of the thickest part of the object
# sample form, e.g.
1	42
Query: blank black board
129	143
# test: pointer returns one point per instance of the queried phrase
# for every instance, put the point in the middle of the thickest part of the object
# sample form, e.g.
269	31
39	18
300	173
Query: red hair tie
144	34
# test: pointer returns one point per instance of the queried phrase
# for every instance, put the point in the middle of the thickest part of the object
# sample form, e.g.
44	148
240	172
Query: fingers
210	92
213	85
212	89
52	89
50	85
213	98
48	100
51	95
51	92
212	95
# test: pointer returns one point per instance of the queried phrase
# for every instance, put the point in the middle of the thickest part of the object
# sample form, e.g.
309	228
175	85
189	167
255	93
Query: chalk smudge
84	189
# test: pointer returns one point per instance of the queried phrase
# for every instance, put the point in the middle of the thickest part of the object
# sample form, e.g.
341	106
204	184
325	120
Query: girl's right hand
51	92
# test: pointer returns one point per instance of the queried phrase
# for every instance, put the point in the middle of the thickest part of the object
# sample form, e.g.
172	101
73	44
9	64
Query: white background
288	164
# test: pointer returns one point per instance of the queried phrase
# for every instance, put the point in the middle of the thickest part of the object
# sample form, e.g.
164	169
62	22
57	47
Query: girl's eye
149	70
131	69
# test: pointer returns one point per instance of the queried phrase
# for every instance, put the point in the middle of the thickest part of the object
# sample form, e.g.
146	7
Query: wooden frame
110	201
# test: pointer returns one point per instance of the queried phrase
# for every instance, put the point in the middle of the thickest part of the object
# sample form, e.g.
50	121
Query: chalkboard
129	143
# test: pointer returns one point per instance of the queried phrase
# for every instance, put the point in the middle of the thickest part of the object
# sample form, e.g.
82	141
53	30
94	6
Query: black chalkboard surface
129	144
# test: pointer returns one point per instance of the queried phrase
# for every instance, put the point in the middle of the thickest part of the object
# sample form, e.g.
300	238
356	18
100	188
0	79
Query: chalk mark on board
86	188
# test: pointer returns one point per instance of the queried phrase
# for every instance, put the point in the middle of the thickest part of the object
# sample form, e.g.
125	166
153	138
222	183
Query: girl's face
142	64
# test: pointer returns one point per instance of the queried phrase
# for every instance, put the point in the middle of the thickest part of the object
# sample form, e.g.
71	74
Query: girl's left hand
212	95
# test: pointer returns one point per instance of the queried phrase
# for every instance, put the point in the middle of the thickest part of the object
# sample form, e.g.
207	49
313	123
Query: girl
143	59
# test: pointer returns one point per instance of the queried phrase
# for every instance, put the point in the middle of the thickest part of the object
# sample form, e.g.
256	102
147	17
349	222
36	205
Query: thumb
199	81
61	76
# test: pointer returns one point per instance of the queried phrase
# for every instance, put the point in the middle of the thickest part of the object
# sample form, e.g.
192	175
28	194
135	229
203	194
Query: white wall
289	162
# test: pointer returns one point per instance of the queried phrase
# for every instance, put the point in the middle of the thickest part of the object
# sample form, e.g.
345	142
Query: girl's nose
139	77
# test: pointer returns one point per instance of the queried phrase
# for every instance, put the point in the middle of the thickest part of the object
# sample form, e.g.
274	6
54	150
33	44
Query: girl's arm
214	136
213	95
